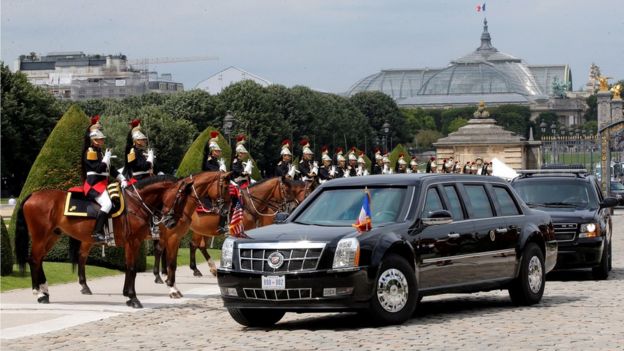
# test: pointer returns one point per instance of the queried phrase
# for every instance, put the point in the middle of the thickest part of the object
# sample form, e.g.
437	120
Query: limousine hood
571	215
298	232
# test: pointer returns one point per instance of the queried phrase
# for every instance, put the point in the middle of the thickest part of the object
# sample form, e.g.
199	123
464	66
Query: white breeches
105	202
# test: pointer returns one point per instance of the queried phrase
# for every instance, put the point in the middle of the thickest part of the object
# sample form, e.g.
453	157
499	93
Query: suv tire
602	271
395	294
528	288
256	317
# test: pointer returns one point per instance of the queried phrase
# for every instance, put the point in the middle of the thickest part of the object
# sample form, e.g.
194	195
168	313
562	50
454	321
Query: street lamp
386	129
228	125
543	127
553	144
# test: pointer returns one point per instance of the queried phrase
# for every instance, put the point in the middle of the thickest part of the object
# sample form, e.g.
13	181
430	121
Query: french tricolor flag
481	8
364	222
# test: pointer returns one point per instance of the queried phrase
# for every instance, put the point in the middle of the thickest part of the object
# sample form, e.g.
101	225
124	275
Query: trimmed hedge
394	156
192	161
58	167
6	254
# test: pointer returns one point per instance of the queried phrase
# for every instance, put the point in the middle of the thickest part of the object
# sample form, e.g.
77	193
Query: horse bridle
221	210
156	214
270	203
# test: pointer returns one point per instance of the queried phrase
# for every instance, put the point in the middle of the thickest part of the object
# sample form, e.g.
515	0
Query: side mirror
609	202
438	217
280	217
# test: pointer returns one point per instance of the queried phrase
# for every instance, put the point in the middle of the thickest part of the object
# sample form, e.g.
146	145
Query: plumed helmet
285	148
135	123
137	134
413	162
386	158
96	134
305	144
325	153
433	163
213	142
95	122
402	159
352	156
339	155
378	154
361	158
240	144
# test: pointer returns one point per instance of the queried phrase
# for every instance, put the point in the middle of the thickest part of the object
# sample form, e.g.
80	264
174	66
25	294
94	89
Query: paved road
576	313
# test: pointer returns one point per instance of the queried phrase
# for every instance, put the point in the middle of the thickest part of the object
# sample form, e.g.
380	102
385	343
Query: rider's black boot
98	232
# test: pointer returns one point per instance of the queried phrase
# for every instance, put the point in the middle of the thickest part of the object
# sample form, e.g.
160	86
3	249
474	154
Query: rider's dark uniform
138	168
211	164
352	171
305	166
237	173
97	172
324	173
377	169
281	170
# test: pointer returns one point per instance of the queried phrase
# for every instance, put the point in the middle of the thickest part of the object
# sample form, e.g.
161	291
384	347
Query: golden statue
604	83
481	112
617	90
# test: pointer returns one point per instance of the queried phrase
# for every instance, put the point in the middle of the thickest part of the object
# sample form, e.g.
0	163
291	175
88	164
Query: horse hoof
134	303
214	272
158	280
86	291
197	273
174	296
44	299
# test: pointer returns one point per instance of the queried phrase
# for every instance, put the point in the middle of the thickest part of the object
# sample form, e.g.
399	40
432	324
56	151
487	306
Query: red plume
432	158
214	134
135	122
325	148
286	142
303	142
401	154
95	119
377	149
240	137
353	149
362	153
339	149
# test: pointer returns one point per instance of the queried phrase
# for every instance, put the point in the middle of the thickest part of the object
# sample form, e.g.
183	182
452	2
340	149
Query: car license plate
274	282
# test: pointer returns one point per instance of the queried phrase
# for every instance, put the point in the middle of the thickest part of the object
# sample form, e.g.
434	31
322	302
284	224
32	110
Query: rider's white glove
150	156
222	165
332	173
107	157
122	180
314	170
248	168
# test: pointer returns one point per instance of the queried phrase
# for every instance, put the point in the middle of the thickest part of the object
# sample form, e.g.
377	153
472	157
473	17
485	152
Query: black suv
431	234
580	214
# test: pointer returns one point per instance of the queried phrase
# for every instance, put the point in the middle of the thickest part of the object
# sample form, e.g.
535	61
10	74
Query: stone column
604	110
616	109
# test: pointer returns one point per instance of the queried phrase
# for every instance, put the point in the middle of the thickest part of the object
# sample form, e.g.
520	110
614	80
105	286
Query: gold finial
604	83
481	112
617	90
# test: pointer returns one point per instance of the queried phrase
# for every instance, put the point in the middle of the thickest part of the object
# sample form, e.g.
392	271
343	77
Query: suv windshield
573	193
617	186
341	207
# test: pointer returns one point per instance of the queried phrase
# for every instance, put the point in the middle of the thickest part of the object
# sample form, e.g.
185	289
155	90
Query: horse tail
22	239
73	251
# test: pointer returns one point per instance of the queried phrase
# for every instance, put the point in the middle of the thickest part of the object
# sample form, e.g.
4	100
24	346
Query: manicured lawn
59	273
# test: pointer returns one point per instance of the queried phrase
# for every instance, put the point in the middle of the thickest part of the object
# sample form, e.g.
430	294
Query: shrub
6	254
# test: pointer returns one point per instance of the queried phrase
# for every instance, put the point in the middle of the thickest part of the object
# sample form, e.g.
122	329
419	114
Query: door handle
501	230
453	235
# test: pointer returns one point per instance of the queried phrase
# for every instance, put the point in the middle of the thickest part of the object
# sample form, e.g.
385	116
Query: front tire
256	317
528	288
395	295
602	271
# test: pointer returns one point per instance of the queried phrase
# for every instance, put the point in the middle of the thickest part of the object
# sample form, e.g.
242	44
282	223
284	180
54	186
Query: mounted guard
386	165
401	164
327	171
285	167
214	162
352	168
362	170
307	167
378	166
139	162
341	170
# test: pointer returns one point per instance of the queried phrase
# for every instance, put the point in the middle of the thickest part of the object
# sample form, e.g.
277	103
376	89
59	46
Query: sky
327	45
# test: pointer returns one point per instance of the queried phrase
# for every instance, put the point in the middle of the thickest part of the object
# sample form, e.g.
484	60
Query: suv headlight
347	253
227	252
589	230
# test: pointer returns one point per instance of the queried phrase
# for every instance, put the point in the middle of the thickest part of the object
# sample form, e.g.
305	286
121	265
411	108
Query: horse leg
157	257
132	251
172	262
211	264
85	247
195	243
40	283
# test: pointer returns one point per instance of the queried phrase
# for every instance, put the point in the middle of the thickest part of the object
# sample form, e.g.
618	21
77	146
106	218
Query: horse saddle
206	207
78	205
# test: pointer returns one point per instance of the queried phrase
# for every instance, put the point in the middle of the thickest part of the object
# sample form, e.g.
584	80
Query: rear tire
395	294
602	271
528	288
256	317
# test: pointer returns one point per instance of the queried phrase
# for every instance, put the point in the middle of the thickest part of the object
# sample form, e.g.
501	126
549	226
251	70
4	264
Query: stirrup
99	238
155	232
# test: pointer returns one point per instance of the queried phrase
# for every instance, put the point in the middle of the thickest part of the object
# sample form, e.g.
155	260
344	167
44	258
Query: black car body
617	191
431	234
580	213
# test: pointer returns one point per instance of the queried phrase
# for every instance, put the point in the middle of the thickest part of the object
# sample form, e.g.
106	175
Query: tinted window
507	204
554	193
454	202
432	202
479	201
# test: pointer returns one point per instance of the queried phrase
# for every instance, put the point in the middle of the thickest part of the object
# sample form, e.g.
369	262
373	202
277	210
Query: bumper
550	258
304	291
583	253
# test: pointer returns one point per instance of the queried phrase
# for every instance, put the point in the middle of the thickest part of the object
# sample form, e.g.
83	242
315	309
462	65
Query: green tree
513	118
417	119
379	108
425	138
448	116
396	153
28	116
6	254
196	106
456	124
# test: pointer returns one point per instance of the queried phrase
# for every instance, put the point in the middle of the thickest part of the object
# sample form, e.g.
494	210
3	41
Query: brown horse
42	215
261	202
207	184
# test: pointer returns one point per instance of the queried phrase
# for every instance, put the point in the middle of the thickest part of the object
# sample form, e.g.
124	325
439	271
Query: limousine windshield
341	207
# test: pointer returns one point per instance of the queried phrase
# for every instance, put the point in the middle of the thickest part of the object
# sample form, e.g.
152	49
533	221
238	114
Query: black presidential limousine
431	234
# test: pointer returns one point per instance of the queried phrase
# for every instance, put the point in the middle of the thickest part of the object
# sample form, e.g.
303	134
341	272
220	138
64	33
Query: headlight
347	253
227	252
589	230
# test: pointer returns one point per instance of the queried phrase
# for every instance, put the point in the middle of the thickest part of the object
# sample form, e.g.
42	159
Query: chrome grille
298	257
565	231
278	295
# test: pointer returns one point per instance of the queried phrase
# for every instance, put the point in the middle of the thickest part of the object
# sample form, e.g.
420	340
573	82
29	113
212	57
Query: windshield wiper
534	204
559	204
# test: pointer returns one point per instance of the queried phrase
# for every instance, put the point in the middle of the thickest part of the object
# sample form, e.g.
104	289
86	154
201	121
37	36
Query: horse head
294	190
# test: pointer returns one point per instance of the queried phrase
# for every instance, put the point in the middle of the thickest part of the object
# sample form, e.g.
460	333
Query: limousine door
438	244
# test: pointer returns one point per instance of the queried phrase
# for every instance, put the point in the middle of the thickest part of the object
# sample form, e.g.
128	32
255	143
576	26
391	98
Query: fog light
229	292
344	291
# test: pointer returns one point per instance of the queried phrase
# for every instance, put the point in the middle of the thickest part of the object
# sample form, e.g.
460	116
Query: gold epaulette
131	155
91	155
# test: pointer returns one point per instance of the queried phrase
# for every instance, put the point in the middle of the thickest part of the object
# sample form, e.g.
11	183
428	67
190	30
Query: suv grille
565	231
297	257
287	294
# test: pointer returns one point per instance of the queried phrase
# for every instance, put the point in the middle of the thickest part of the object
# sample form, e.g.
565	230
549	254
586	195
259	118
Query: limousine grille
275	295
565	231
287	257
